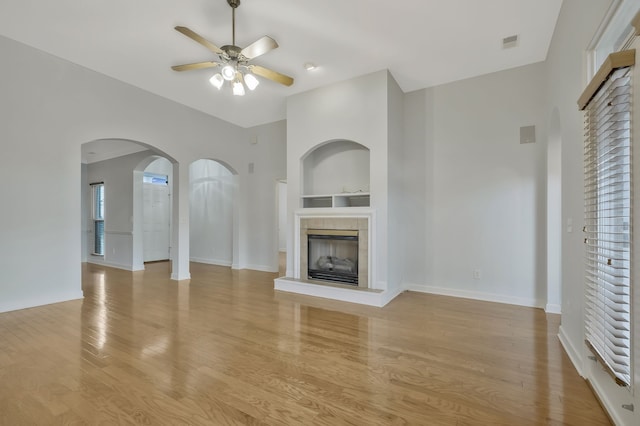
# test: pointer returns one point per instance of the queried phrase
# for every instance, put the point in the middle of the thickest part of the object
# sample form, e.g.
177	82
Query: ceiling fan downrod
234	4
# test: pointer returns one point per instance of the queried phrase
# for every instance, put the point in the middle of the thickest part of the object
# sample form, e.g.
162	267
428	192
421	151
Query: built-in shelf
352	199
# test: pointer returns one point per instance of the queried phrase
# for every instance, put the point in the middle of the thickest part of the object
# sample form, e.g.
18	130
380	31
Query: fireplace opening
333	255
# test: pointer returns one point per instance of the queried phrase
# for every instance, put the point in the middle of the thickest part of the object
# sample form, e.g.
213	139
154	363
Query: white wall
117	175
566	79
418	183
267	151
85	196
161	166
211	211
398	228
487	191
354	110
282	216
49	108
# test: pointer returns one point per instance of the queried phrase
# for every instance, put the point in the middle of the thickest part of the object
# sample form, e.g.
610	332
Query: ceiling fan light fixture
251	81
217	81
228	72
234	61
238	88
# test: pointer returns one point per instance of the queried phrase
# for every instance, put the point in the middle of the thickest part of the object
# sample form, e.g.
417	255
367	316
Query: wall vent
528	134
511	41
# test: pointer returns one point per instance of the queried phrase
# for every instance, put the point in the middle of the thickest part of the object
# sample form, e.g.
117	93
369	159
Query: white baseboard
389	295
138	267
551	308
475	295
111	264
40	301
177	277
611	406
217	262
262	268
572	351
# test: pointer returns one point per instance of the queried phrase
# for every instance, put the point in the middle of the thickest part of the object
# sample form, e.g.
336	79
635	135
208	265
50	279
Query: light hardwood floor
225	348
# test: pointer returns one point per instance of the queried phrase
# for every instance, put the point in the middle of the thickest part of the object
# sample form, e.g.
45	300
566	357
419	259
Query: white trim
389	295
126	233
475	295
176	277
112	264
217	262
262	268
614	26
574	355
610	406
32	303
368	297
551	308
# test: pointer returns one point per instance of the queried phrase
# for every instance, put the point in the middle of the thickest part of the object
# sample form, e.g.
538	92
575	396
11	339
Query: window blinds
607	164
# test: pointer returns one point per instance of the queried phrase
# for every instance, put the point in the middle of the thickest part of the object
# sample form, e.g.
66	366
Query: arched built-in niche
336	174
212	212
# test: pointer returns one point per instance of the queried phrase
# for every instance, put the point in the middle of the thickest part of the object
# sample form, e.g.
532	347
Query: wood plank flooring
226	349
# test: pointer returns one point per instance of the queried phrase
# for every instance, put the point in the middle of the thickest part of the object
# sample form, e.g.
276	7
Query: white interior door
157	219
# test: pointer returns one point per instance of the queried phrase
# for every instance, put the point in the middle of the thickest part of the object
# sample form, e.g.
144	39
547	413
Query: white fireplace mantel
368	295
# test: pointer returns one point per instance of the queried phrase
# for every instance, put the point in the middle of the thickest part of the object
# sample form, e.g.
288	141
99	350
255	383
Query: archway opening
118	166
213	210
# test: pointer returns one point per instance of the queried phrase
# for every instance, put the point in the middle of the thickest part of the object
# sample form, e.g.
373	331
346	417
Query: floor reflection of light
159	346
101	323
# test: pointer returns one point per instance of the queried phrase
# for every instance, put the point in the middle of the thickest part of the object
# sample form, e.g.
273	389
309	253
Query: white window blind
607	167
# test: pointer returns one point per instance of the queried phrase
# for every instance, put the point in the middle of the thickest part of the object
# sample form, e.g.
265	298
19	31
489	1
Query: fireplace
333	249
333	255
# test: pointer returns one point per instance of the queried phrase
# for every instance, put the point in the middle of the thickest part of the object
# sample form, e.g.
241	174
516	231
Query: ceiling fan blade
271	75
196	37
196	66
259	47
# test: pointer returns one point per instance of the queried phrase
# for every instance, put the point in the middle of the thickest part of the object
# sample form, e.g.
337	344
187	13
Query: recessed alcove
336	174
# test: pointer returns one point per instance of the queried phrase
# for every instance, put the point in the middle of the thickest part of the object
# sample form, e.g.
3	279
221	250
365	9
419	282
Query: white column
180	222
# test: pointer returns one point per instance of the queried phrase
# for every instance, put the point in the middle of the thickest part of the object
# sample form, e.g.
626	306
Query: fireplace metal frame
339	277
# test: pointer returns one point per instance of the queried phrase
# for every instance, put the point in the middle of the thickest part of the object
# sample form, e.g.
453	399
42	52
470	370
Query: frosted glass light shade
251	81
228	72
217	81
238	88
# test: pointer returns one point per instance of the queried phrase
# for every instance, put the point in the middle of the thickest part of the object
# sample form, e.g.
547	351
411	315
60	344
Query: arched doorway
156	210
213	213
118	165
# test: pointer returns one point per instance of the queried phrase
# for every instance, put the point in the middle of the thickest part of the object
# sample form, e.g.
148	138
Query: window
614	34
97	215
155	179
608	227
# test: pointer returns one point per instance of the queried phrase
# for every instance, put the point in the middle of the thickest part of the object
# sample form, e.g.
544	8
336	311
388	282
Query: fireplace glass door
333	255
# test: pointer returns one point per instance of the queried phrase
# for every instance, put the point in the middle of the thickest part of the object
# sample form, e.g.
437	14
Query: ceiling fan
234	61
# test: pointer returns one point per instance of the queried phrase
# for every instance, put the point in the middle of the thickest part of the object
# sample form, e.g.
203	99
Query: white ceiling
422	42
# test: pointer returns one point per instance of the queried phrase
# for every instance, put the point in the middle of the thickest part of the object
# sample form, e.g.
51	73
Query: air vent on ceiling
511	41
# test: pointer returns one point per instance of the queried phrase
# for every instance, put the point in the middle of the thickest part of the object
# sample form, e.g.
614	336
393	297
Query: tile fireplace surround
339	224
363	221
